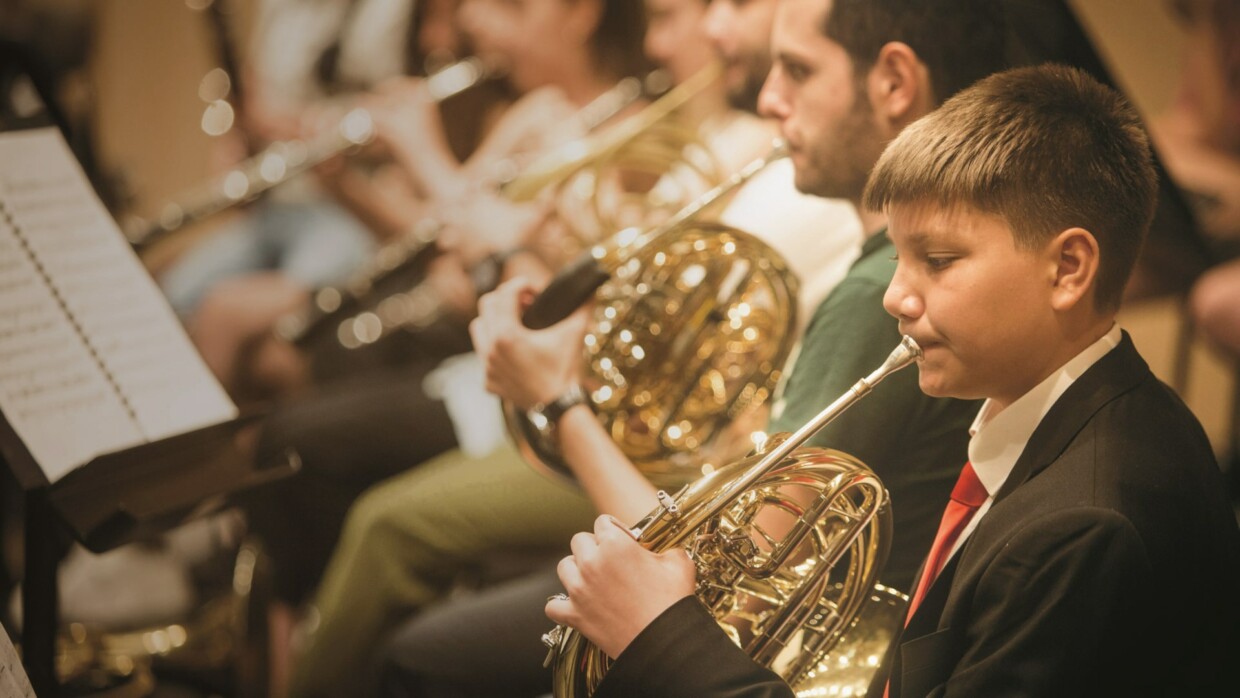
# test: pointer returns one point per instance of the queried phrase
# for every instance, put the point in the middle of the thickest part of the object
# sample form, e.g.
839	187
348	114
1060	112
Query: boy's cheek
927	380
934	379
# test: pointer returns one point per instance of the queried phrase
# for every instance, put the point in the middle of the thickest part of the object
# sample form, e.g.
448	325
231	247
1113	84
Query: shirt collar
999	436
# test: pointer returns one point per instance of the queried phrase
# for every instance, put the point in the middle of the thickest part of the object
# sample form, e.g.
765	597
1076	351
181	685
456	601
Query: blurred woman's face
439	36
676	37
527	37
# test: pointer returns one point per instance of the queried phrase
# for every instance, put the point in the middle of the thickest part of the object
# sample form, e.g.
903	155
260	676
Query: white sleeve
373	46
460	382
818	238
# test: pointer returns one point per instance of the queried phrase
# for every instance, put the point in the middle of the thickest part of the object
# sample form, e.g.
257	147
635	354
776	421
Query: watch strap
546	416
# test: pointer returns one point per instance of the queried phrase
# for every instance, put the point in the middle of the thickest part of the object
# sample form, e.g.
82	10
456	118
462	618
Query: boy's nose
901	302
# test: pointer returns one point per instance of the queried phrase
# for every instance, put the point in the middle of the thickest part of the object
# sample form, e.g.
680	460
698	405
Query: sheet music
92	359
13	680
50	385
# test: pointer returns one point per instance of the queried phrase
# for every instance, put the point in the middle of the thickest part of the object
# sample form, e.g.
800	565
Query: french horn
225	638
692	324
788	545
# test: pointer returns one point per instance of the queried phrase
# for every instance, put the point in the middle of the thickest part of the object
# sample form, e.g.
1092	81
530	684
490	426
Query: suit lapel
1113	375
1121	370
926	619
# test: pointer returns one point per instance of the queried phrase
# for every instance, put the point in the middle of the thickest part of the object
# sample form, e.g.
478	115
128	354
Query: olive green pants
405	542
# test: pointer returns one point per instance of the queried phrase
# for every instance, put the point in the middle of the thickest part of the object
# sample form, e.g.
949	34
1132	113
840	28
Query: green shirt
916	444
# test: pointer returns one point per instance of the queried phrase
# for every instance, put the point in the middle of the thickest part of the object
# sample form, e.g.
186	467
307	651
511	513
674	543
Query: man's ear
1074	254
899	86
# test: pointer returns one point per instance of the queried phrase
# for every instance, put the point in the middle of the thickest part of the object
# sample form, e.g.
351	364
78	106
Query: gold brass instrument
560	164
692	325
333	302
225	635
645	146
284	160
635	173
346	306
788	545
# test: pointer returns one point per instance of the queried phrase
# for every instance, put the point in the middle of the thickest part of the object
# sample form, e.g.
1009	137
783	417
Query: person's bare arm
384	200
406	121
530	367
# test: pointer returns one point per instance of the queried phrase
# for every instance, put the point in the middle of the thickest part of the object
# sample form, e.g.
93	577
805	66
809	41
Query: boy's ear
1076	268
899	86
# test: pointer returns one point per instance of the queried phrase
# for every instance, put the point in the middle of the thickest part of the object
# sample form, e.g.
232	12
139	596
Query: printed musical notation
92	359
13	680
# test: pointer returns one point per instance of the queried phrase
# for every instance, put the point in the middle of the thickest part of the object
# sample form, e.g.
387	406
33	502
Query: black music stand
116	498
119	496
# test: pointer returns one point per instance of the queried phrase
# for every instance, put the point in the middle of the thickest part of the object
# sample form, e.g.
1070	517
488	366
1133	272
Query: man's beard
839	169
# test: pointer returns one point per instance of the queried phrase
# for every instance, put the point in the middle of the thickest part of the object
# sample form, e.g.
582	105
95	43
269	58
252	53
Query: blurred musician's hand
525	366
486	224
403	112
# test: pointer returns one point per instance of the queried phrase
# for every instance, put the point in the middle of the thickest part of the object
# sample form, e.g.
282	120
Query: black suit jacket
1109	564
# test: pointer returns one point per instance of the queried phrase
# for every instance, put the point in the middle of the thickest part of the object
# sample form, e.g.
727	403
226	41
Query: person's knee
382	518
365	521
218	308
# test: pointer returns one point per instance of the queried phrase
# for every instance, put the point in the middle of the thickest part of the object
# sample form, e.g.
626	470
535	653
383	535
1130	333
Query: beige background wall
1141	42
149	59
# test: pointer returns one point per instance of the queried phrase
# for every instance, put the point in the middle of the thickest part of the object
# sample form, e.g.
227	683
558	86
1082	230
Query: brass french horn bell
692	325
788	545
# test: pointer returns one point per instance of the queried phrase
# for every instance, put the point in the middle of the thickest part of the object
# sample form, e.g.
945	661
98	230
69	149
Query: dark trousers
482	645
350	435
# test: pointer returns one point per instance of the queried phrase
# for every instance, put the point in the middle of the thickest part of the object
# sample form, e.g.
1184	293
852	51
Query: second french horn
692	324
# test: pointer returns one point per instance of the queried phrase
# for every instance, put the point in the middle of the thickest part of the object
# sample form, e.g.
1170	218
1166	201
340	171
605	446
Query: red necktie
967	497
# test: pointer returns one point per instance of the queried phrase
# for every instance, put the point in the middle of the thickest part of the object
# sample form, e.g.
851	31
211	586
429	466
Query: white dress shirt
1000	435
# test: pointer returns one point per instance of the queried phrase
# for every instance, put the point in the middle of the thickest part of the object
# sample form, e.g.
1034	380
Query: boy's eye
939	263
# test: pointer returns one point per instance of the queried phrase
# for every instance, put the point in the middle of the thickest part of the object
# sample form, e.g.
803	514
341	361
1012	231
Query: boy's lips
926	343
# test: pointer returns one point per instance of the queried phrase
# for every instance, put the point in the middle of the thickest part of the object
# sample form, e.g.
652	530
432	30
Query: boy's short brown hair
1047	148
